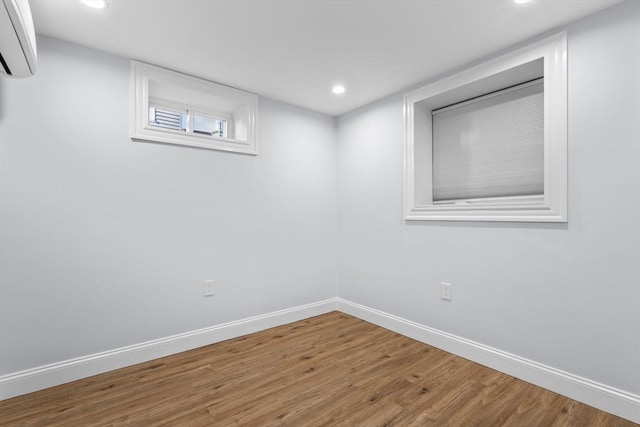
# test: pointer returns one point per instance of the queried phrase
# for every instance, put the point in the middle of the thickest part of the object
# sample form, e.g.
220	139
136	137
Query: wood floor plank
330	370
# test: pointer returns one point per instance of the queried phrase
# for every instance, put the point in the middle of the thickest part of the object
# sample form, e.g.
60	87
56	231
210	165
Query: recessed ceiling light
521	1
338	89
96	4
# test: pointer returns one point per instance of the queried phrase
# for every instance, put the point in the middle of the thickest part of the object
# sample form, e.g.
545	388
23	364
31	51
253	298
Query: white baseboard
23	382
608	399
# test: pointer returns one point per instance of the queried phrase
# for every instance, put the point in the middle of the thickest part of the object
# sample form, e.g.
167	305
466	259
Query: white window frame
509	69
141	99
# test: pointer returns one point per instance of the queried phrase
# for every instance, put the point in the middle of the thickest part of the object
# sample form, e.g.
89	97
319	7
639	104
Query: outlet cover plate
209	288
445	291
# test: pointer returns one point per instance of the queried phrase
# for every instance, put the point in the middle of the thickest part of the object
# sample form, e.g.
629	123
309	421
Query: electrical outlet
209	288
445	291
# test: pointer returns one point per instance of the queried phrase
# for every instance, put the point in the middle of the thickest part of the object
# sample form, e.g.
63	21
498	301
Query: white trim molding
608	399
151	84
31	380
546	58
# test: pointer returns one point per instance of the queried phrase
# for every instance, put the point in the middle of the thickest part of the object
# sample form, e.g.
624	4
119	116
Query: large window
491	146
174	108
489	143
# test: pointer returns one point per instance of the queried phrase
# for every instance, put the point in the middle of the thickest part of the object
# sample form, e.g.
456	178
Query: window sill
151	134
524	212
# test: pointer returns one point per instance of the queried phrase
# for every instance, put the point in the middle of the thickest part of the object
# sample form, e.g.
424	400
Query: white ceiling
296	50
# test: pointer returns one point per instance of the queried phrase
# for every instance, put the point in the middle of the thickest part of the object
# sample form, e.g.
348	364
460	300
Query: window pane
490	147
209	126
167	119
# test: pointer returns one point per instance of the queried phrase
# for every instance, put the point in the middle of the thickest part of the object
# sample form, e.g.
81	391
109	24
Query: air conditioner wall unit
17	39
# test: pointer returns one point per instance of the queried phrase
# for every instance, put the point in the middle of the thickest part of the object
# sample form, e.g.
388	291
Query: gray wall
565	295
105	242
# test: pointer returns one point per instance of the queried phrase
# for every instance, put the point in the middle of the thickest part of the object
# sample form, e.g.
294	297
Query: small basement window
184	120
490	143
174	108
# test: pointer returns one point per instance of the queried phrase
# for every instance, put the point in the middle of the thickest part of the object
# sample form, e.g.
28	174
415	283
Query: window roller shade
491	146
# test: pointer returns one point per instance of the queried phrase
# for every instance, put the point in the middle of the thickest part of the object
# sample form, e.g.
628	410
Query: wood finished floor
330	370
